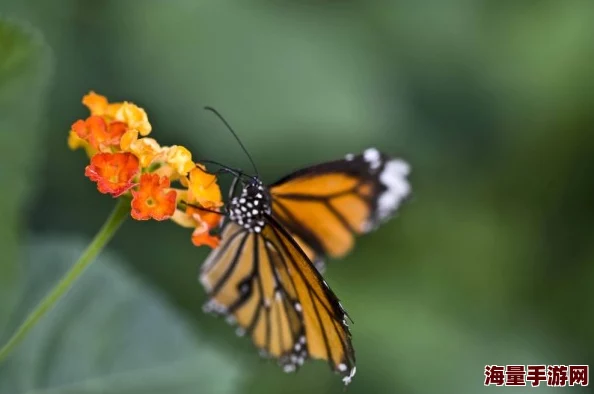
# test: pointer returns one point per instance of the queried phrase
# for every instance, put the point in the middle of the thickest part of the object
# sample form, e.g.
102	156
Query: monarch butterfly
265	276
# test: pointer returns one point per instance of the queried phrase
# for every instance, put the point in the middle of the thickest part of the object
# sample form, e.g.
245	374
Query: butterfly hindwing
265	284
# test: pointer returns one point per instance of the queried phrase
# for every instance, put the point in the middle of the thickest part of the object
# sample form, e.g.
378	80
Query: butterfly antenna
214	111
224	168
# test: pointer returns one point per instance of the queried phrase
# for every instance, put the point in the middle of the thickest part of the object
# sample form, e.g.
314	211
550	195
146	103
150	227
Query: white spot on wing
213	306
393	177
372	156
347	379
206	283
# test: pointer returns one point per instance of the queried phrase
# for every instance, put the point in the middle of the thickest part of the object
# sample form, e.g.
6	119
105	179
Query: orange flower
203	188
153	199
113	172
99	135
206	221
204	238
125	161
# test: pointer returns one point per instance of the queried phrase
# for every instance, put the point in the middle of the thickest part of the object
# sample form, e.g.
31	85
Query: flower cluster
163	182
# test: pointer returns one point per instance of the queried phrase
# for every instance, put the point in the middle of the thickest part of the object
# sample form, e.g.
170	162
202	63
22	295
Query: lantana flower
150	182
161	182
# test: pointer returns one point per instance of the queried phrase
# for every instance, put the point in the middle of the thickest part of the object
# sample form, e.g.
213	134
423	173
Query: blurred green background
490	262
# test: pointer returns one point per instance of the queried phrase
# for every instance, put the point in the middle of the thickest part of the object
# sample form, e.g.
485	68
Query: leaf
25	65
110	334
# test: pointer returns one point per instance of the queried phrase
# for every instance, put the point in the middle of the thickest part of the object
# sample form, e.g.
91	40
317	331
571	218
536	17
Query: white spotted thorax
249	209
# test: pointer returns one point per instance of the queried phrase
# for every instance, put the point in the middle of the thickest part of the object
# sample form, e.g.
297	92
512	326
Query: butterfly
265	276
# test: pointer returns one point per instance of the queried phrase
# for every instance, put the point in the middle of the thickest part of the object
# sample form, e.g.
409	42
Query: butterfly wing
327	205
265	284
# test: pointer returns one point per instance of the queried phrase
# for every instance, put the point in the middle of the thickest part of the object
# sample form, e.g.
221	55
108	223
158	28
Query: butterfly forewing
328	204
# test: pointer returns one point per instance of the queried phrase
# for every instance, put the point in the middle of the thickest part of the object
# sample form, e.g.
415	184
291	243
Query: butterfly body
251	207
265	276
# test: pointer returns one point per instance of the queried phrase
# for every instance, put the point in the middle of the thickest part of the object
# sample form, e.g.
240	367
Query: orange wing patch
328	204
320	185
328	217
335	238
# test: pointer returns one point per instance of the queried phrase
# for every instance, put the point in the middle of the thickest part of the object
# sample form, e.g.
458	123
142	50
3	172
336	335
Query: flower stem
107	231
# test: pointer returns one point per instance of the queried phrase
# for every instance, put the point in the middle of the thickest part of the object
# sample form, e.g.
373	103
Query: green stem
107	231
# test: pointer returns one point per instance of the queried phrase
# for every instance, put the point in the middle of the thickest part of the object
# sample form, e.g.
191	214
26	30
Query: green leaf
25	65
110	334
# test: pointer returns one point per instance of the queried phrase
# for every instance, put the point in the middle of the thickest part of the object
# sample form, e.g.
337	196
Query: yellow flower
128	139
146	149
203	188
180	159
75	142
133	115
96	103
183	219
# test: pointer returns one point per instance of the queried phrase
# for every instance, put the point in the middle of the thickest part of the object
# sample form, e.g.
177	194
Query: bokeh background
490	262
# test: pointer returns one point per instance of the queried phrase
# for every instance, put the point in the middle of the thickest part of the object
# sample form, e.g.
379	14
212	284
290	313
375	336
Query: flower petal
204	238
203	188
128	139
75	142
113	172
98	133
153	199
183	219
180	159
146	149
96	103
206	221
134	116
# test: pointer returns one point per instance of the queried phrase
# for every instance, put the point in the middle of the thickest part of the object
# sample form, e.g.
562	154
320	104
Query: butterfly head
251	206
